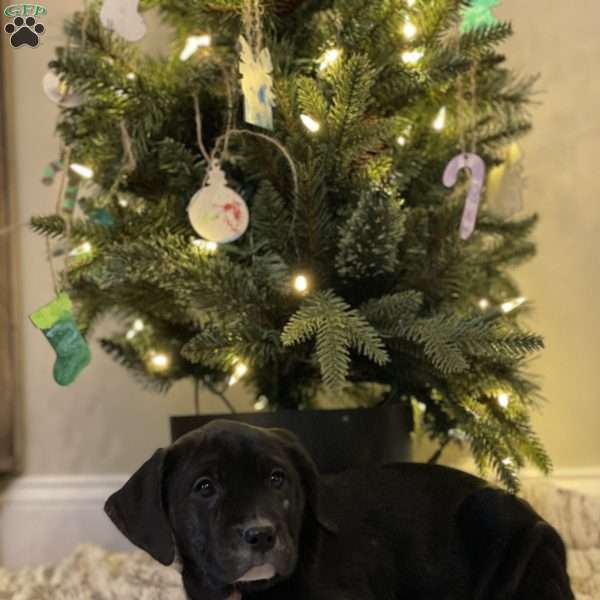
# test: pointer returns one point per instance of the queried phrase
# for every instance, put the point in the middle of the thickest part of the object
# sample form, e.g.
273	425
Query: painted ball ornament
217	213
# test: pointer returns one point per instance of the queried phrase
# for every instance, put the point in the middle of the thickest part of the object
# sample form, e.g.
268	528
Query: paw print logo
24	32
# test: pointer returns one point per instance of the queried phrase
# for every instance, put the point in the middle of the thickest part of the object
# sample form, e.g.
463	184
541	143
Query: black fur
402	531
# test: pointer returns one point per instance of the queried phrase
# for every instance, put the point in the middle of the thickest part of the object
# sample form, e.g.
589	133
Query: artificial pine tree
351	277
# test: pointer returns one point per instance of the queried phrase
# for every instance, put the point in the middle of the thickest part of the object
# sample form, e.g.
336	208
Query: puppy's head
235	502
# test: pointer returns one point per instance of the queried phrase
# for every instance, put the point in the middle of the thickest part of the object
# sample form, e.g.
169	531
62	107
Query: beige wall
105	423
560	40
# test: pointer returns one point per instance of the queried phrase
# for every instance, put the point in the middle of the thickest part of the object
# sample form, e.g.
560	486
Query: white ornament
122	17
216	212
506	184
257	85
58	91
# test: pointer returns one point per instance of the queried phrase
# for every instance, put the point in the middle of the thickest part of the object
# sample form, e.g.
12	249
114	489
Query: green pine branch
337	328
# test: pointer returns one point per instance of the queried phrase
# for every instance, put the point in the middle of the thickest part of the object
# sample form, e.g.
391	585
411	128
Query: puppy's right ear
137	510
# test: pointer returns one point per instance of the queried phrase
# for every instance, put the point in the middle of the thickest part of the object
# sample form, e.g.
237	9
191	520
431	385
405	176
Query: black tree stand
336	439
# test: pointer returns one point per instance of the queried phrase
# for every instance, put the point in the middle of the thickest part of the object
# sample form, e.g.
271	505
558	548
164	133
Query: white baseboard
42	519
585	480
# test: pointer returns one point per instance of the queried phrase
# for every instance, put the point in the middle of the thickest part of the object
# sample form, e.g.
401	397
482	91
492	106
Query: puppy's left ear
137	510
314	488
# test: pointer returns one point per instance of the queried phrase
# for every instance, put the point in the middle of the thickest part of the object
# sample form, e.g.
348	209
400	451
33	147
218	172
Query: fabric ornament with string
256	69
57	323
217	213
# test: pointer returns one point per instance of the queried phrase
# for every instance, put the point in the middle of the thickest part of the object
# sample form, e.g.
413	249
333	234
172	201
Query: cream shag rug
94	574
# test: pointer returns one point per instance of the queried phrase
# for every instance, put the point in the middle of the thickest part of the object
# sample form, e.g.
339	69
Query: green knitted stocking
57	323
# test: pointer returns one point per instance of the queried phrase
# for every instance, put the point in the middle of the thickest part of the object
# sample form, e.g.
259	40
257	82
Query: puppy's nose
260	538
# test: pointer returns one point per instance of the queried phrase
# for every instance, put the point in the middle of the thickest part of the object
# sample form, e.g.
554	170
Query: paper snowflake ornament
216	212
257	85
478	15
122	17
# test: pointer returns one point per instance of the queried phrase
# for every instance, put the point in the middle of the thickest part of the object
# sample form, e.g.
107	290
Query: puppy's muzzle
260	538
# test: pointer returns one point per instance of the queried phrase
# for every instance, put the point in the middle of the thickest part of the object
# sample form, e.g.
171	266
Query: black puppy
246	515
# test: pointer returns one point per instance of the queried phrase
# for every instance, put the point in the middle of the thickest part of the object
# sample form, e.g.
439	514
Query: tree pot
336	439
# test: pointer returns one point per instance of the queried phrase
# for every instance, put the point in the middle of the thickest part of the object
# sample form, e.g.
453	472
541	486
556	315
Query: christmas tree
357	277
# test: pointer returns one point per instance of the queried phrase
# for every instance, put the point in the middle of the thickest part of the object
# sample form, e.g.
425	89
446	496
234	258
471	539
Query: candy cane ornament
474	163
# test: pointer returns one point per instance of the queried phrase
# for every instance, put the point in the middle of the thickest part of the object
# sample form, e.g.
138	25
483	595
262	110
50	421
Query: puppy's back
432	531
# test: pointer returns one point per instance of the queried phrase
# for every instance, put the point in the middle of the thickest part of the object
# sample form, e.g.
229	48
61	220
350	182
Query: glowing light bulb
503	400
457	434
261	403
484	304
63	88
329	58
440	120
193	44
412	57
206	246
240	370
82	170
310	123
510	306
159	361
409	30
137	327
301	284
82	249
402	139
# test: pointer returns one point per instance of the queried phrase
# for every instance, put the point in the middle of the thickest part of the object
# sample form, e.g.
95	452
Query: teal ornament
70	198
478	15
101	216
57	323
50	172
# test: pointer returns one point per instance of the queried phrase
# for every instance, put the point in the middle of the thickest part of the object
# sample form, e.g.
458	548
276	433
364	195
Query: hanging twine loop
473	83
468	123
252	16
129	162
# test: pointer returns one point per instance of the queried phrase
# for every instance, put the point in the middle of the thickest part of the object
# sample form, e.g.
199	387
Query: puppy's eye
205	487
277	478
